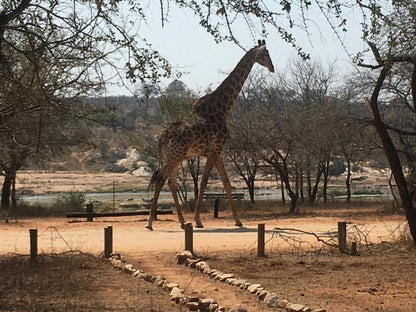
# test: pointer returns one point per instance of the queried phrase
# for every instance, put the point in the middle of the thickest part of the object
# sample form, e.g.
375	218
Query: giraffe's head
263	57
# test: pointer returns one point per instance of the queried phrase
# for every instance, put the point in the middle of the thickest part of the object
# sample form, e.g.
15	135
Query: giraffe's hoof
149	227
182	226
199	225
238	223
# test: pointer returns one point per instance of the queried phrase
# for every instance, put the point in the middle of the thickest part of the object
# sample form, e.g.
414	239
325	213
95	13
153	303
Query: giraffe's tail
153	180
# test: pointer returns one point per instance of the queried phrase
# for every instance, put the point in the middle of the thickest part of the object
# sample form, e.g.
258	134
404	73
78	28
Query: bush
71	201
337	168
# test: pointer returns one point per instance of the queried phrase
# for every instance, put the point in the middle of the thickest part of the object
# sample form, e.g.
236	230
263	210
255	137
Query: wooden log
261	239
114	214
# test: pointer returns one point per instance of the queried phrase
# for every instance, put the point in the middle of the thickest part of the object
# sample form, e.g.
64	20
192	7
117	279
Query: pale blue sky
190	49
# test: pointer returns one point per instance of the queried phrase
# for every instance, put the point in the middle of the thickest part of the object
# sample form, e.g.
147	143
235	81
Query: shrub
71	201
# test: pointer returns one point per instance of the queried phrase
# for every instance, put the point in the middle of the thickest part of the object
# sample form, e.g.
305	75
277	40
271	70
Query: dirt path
131	237
154	251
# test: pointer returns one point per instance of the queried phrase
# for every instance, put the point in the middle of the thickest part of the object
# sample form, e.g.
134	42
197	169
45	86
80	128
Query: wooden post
189	239
33	233
260	239
342	236
354	249
90	211
108	241
216	207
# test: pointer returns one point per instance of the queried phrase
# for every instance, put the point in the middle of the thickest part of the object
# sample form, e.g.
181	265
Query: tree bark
6	192
326	181
348	181
392	154
314	192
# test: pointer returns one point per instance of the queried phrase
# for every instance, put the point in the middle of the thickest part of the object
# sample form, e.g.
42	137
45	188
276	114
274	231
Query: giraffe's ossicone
204	133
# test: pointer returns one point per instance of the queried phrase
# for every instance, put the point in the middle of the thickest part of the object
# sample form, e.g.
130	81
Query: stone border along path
194	303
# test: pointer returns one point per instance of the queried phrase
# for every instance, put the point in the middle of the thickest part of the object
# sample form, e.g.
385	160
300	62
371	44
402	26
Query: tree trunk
6	192
194	168
250	186
348	181
285	179
392	155
282	188
309	185
326	181
302	197
314	192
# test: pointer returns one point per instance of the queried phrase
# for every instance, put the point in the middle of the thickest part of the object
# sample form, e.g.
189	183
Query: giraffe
204	133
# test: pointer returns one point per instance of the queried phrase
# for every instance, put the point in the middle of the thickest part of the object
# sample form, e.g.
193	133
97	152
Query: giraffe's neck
229	89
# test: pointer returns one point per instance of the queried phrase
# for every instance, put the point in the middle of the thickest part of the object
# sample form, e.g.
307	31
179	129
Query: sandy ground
131	236
154	251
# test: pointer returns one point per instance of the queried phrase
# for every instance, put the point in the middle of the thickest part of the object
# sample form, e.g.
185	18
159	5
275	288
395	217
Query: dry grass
74	282
380	279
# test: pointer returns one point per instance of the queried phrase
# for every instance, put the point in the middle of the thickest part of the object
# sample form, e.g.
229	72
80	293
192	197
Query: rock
202	265
182	256
159	280
117	263
192	306
213	307
281	304
115	256
192	262
230	281
245	285
307	309
294	307
221	308
147	277
318	310
238	308
261	295
271	299
224	277
170	286
214	273
192	299
205	303
128	268
253	288
176	294
137	272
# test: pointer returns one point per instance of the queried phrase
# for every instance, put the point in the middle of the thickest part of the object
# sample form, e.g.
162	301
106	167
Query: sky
205	64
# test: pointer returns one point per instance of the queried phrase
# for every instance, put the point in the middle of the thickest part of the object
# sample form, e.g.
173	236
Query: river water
165	197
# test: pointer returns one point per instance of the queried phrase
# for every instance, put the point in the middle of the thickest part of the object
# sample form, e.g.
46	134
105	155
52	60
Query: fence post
108	241
216	207
90	211
189	240
33	233
354	251
342	236
260	239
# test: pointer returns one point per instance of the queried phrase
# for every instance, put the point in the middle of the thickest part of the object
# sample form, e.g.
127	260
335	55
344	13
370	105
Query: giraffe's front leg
204	180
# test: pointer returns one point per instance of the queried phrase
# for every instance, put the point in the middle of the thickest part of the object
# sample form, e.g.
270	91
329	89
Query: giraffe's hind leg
227	186
160	180
173	186
204	181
